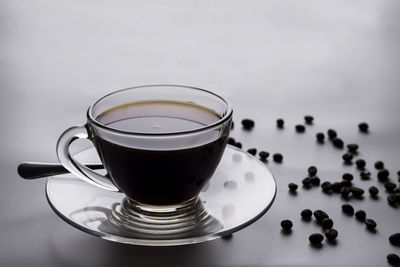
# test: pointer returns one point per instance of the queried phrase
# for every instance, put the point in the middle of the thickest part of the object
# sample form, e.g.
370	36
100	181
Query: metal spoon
35	170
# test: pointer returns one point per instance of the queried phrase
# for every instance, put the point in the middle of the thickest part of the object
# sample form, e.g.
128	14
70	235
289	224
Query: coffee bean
320	137
232	125
231	141
277	157
293	187
263	155
300	128
309	119
331	234
320	215
306	214
379	165
346	183
356	191
238	145
363	127
365	175
248	124
326	187
347	176
373	191
360	215
393	259
286	225
280	123
392	199
394	239
331	134
352	148
360	163
307	182
337	142
383	175
316	238
348	209
345	191
315	180
336	186
327	223
312	170
370	224
347	158
252	151
390	186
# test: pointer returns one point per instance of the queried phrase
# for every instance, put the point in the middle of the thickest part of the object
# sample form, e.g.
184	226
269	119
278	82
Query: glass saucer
240	192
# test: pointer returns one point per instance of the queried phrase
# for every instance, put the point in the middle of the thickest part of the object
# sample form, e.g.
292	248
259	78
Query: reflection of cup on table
160	145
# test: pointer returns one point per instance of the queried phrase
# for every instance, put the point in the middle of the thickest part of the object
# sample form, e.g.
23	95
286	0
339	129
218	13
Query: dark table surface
336	60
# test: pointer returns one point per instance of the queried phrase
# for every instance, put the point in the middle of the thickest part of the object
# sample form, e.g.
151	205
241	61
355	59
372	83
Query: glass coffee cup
160	145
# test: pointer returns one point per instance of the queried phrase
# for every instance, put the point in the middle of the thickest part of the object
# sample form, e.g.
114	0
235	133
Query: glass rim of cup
216	124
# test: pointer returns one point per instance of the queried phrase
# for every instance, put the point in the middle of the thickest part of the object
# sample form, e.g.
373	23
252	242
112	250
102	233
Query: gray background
337	60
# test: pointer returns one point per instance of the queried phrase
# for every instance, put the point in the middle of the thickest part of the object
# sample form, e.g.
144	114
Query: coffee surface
160	177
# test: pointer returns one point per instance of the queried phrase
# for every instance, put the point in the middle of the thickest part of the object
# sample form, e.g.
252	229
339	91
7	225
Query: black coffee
158	175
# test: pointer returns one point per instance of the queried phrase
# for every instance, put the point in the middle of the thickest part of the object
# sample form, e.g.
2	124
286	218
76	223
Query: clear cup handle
80	170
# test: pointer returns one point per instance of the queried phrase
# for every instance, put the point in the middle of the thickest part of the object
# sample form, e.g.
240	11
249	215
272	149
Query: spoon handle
35	170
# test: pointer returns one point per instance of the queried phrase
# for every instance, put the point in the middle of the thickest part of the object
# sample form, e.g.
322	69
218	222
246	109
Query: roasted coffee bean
348	209
316	238
286	225
347	176
263	155
392	199
363	127
345	191
345	183
347	158
373	191
394	239
327	223
371	224
331	134
360	215
306	214
326	187
360	163
320	215
337	142
232	125
379	165
331	234
365	175
280	123
300	128
320	137
336	187
312	170
356	191
383	175
248	124
277	157
393	259
238	145
307	182
231	141
390	186
293	187
252	151
352	148
315	180
308	119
